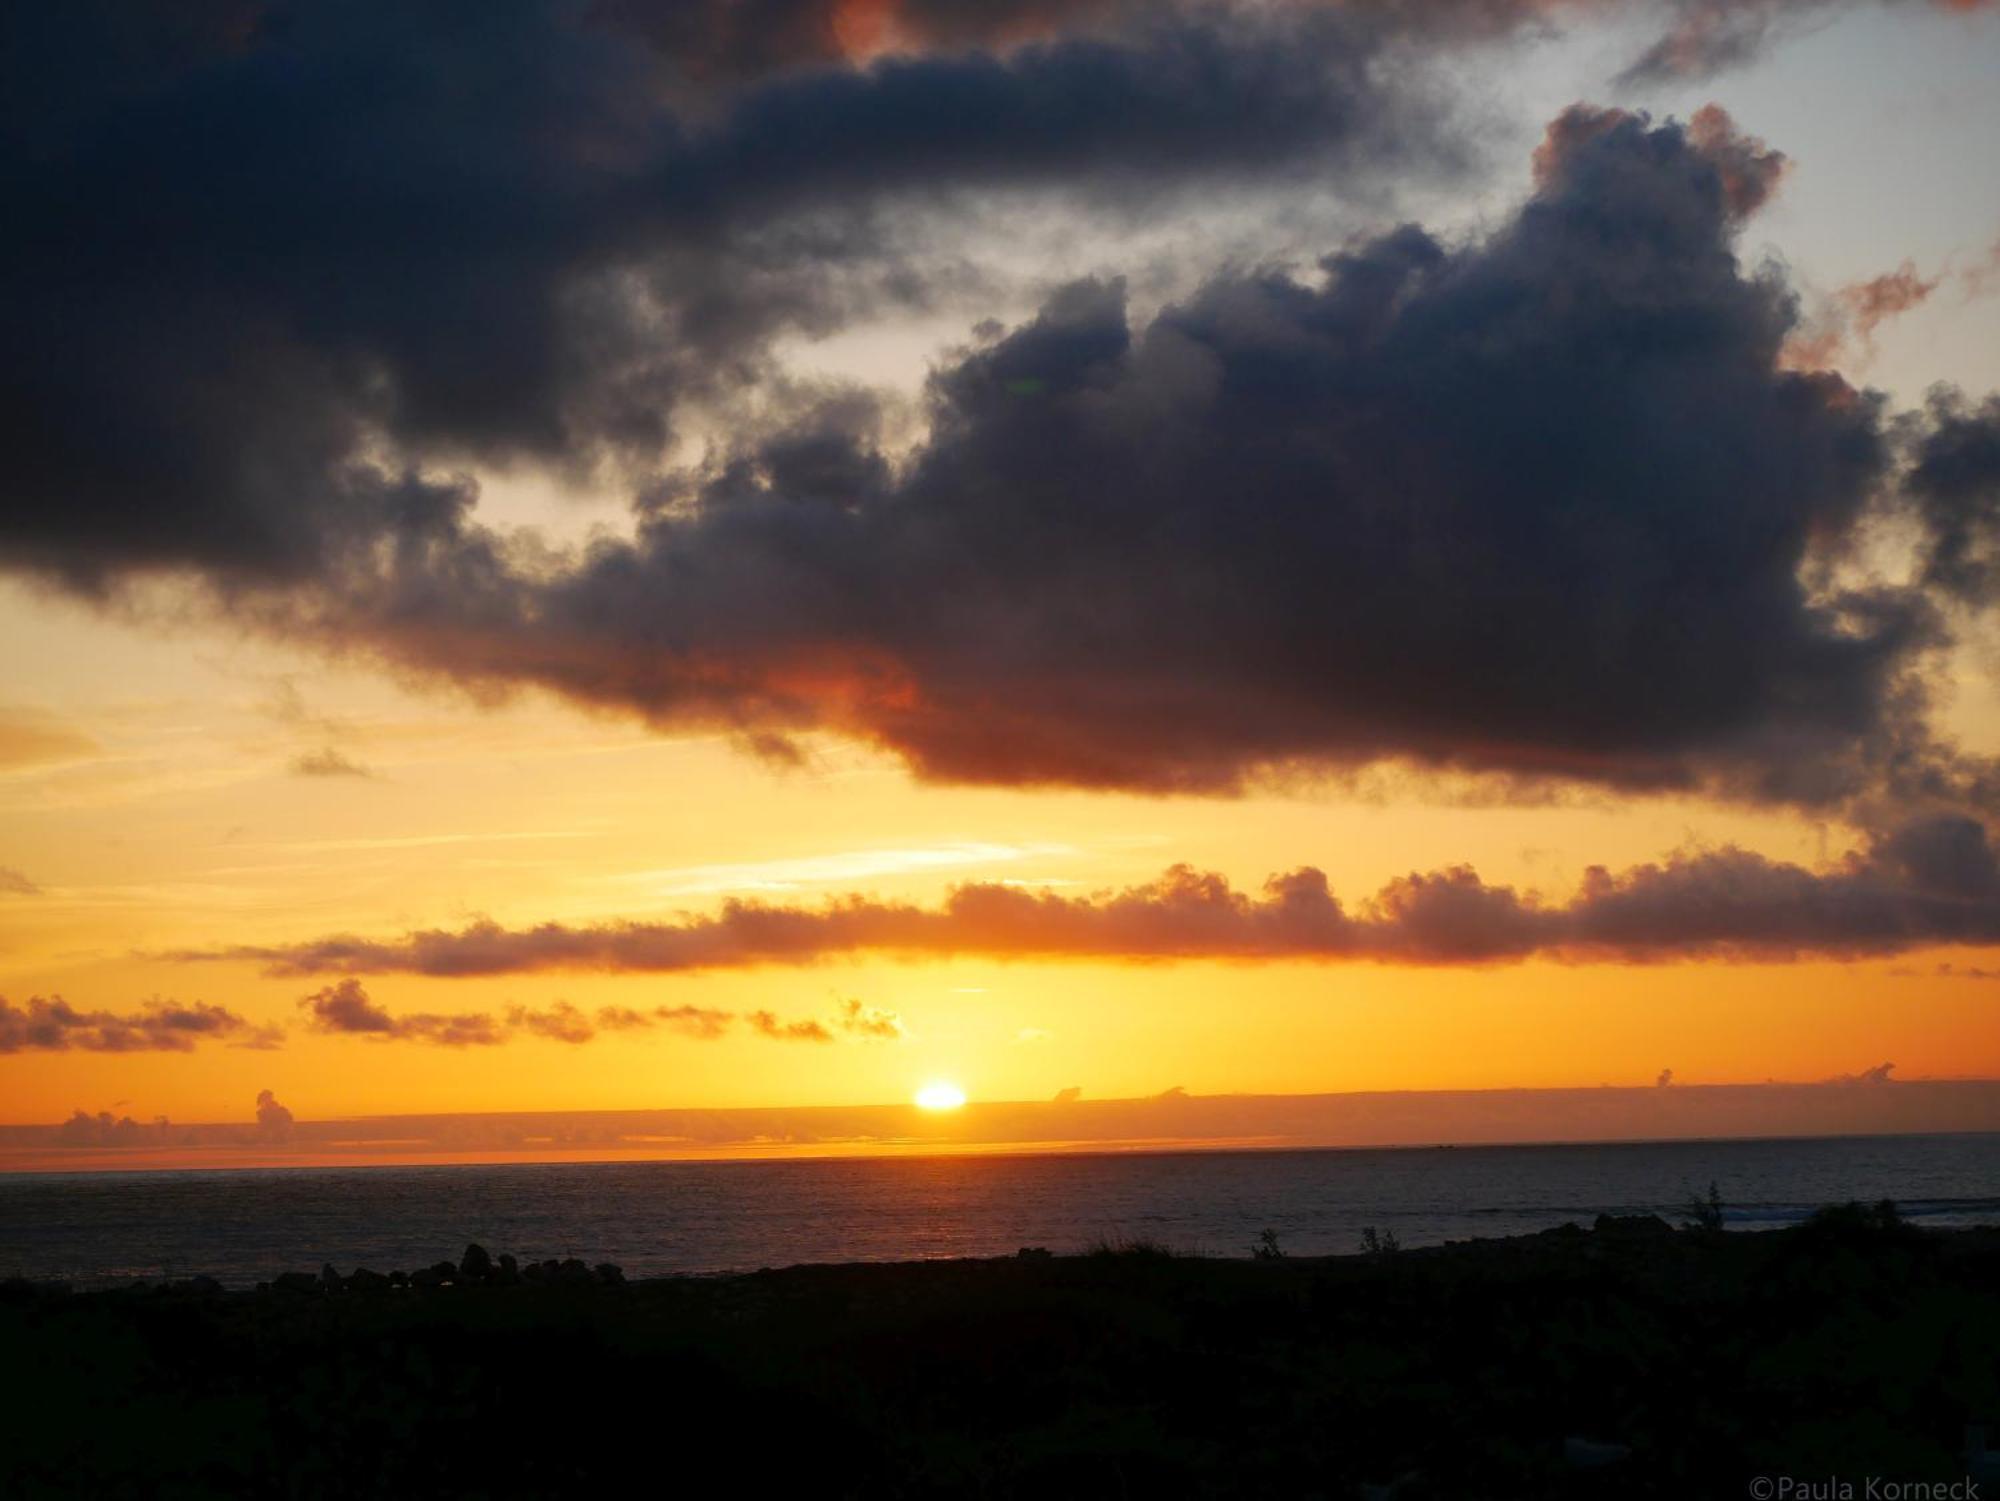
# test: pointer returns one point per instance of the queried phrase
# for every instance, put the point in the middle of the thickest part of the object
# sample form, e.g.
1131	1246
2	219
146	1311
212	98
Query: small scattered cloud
346	1008
768	1024
561	1022
13	883
1879	1074
693	1021
328	762
103	1129
871	1022
1843	331
274	1121
1032	1034
52	1025
1070	1095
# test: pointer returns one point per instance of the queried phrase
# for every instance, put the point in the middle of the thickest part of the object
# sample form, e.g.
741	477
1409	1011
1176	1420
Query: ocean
657	1218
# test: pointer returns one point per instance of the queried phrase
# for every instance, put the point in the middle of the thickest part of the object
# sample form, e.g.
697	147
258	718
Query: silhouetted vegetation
1629	1360
1379	1242
1703	1212
1137	1248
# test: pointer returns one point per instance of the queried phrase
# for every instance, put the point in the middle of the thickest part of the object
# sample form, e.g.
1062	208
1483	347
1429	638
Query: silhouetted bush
1703	1214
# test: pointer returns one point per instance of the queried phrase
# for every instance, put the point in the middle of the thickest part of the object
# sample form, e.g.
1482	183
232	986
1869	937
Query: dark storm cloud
733	39
1541	506
51	1024
1954	486
1933	881
259	278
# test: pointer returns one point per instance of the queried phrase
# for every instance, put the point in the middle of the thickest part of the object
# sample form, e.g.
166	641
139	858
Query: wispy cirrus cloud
790	872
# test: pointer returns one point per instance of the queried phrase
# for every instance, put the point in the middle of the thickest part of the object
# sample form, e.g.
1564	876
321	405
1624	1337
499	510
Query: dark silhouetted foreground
1628	1360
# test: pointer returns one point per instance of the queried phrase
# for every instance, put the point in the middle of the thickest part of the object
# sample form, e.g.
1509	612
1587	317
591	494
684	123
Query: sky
591	555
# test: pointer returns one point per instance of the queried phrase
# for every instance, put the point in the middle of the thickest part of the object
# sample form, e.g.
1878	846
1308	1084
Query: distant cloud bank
1866	1103
1933	881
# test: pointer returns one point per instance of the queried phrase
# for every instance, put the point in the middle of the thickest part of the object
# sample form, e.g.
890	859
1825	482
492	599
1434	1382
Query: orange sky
173	780
152	803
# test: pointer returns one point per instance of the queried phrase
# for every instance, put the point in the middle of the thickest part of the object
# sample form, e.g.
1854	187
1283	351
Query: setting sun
940	1096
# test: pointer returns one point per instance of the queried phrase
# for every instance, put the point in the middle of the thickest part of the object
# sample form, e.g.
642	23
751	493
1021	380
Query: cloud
13	883
1438	506
1708	37
274	1121
345	1008
870	1022
1933	881
294	376
106	1130
1954	489
52	1025
328	762
729	40
1847	327
694	1021
768	1024
561	1022
1070	1095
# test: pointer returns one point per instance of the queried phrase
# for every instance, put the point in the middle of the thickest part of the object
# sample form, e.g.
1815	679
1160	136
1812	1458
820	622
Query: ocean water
244	1226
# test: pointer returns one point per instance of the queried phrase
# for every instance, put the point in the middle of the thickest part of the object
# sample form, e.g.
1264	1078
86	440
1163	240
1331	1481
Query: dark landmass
1632	1359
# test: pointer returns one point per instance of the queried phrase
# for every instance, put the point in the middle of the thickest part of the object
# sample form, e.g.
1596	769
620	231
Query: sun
940	1095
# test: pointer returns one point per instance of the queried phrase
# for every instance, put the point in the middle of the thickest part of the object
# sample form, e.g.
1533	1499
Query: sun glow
940	1095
